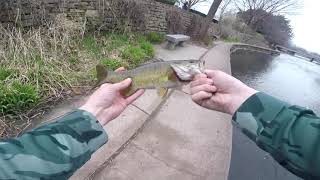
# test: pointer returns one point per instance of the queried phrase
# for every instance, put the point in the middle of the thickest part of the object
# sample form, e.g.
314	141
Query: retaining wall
99	14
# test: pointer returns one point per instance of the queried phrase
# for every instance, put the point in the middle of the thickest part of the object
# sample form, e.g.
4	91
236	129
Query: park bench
176	40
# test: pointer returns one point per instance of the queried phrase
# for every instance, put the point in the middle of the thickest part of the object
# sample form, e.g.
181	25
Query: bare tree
213	9
253	7
223	6
188	4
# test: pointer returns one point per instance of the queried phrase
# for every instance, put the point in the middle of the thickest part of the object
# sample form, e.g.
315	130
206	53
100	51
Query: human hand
219	91
107	102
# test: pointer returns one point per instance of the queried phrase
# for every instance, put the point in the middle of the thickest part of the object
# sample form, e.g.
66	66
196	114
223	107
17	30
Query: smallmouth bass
159	75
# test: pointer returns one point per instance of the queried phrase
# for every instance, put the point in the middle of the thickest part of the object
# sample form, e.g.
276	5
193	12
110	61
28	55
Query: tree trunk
203	32
213	9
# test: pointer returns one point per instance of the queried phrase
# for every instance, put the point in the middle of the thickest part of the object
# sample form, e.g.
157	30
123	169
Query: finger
215	73
135	96
201	81
199	76
209	72
205	87
122	85
200	96
120	69
104	86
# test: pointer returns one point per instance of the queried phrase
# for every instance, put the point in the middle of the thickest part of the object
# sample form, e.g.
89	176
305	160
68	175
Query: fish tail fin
102	72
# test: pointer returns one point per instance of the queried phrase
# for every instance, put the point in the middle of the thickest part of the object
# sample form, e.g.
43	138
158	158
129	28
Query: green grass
115	41
17	97
111	64
48	68
155	37
91	45
134	55
5	73
147	48
73	60
232	39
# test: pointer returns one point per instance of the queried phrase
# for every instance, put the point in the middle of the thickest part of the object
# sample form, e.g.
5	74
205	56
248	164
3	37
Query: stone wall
99	14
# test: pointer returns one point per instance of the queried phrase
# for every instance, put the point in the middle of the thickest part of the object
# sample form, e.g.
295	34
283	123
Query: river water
286	77
289	78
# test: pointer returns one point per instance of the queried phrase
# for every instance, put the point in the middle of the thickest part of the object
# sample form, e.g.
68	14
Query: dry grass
43	65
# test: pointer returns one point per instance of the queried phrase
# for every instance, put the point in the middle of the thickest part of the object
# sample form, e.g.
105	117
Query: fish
158	75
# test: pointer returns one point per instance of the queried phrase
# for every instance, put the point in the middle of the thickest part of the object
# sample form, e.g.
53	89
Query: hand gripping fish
159	75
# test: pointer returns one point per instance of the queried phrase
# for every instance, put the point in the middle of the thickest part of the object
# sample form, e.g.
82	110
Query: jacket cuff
257	111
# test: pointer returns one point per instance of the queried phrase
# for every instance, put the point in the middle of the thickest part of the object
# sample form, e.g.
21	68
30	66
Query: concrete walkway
167	139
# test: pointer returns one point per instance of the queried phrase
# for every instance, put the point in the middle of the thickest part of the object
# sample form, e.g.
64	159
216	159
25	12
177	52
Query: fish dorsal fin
102	72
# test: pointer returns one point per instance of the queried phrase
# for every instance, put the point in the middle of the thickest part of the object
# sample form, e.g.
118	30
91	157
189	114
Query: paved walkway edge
124	145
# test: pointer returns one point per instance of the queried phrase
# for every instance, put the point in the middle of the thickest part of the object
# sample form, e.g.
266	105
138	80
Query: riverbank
41	67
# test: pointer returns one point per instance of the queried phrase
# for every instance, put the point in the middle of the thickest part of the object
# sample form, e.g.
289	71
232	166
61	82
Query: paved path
180	141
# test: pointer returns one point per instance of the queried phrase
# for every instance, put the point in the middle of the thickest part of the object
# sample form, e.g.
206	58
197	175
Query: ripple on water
289	78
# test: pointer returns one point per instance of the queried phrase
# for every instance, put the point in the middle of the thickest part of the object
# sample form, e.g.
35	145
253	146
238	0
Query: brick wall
99	13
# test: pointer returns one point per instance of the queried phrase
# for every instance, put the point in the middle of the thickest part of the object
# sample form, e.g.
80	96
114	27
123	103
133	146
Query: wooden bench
176	40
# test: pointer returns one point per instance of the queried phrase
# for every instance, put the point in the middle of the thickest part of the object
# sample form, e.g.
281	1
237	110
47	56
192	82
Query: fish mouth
185	72
179	78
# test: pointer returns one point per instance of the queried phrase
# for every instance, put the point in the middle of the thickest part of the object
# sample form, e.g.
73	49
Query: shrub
154	37
17	97
115	41
147	48
135	55
73	60
5	73
232	39
111	64
91	45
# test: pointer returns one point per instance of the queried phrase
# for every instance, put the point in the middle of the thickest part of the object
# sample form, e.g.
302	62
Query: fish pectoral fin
102	73
162	92
128	92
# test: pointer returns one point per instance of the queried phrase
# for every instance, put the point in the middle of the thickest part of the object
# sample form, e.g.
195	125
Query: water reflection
289	78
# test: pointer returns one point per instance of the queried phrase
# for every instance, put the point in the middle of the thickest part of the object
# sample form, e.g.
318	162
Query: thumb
122	85
211	73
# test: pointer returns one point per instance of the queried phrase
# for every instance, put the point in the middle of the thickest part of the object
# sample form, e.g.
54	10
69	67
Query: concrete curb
248	47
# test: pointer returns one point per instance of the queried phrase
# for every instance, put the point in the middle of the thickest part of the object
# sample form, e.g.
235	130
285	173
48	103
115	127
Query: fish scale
158	75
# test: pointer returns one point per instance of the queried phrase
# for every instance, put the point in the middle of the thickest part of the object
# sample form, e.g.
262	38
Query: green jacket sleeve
53	151
291	134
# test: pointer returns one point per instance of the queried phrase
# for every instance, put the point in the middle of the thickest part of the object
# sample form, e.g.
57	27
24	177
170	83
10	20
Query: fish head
186	70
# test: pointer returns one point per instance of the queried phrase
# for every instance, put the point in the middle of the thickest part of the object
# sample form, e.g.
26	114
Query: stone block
92	13
77	11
